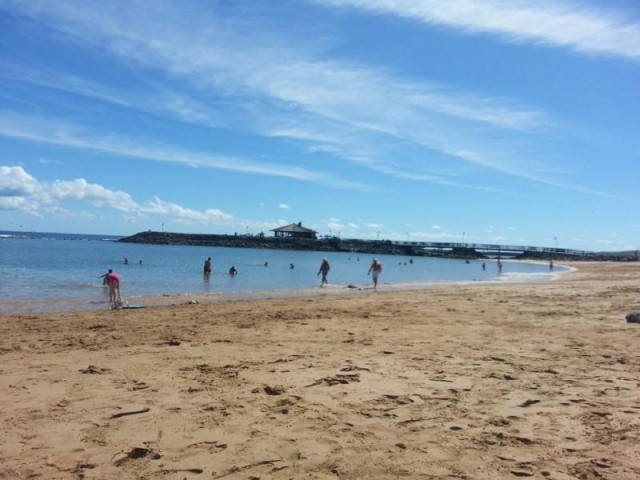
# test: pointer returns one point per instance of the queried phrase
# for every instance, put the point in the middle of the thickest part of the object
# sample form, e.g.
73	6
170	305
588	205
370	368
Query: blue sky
493	121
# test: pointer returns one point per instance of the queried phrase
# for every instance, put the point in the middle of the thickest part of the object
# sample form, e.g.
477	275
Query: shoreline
484	381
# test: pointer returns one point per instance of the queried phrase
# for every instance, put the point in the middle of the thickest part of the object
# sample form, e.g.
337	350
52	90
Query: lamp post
556	239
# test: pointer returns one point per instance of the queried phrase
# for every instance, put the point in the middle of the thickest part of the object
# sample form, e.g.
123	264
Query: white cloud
335	226
19	204
80	189
16	182
21	191
284	206
182	214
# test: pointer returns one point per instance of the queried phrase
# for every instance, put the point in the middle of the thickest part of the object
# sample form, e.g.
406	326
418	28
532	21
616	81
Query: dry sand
462	382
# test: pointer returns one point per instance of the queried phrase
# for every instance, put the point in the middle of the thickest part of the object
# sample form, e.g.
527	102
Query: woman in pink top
113	281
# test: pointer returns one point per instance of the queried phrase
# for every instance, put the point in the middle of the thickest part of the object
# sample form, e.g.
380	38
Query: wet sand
475	381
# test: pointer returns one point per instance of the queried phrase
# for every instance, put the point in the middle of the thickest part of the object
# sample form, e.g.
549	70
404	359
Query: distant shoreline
331	244
336	244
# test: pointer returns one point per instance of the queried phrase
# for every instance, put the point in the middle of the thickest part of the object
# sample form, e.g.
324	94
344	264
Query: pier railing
487	247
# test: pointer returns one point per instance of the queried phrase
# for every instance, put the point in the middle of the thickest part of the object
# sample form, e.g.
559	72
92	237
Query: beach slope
471	382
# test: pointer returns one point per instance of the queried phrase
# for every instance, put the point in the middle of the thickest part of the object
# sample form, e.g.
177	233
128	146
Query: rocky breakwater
332	244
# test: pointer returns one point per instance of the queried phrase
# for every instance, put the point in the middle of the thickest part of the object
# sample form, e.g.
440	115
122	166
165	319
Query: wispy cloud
69	135
353	111
567	24
143	96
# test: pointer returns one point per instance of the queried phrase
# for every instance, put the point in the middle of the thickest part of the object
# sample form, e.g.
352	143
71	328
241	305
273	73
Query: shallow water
50	272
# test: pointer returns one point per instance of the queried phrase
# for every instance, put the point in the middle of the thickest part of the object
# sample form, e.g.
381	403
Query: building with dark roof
295	230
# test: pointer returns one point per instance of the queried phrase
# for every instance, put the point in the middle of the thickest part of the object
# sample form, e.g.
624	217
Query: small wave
12	236
92	285
526	277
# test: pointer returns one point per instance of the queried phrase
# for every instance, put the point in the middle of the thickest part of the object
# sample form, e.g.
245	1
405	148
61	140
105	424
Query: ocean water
49	272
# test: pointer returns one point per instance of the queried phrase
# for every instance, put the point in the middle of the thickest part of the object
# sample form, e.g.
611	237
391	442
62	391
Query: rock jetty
329	244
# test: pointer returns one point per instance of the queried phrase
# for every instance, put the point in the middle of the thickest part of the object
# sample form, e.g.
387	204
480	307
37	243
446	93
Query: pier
495	250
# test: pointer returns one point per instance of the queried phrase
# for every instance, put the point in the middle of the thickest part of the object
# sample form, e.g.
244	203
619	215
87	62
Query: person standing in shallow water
324	270
375	270
207	266
113	281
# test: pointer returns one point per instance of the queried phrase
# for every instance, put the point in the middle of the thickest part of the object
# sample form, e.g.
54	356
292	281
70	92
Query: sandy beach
476	381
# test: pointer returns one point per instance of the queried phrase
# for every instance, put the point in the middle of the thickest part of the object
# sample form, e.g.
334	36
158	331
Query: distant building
295	230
